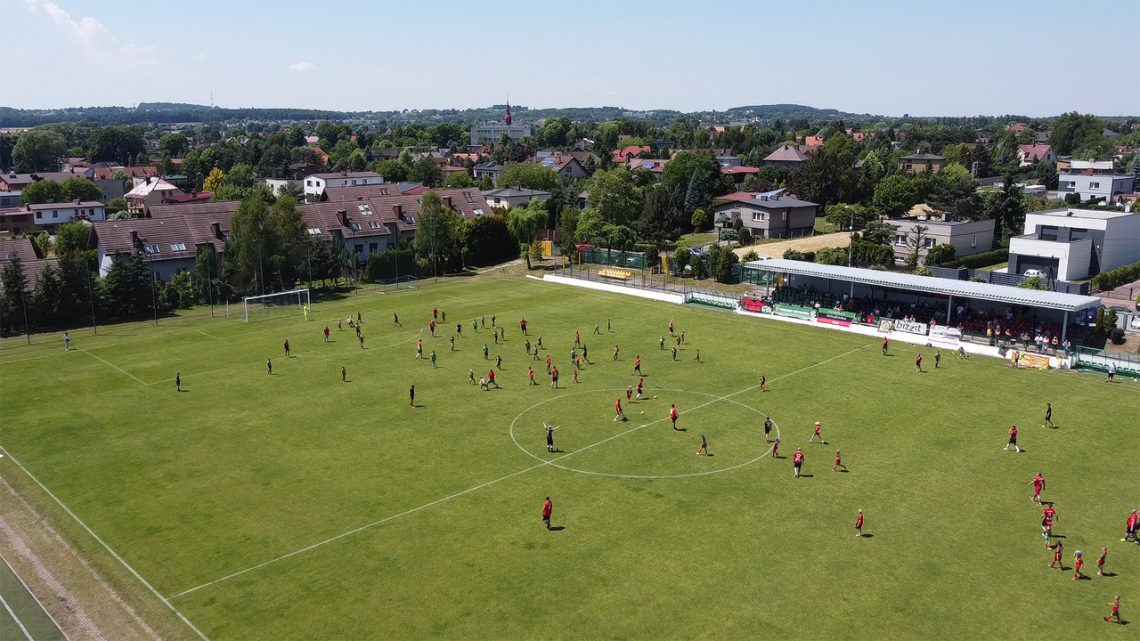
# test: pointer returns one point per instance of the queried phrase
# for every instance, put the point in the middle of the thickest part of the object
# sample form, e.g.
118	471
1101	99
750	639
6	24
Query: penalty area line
475	488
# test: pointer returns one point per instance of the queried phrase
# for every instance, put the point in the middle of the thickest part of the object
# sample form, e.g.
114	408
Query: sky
926	57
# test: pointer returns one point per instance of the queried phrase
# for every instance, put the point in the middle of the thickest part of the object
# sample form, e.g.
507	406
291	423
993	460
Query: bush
728	234
832	256
872	255
941	253
984	259
923	270
750	256
1115	278
1072	199
1116	336
795	254
744	236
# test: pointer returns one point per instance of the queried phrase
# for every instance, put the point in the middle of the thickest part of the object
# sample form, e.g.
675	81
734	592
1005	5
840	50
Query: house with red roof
623	155
1033	154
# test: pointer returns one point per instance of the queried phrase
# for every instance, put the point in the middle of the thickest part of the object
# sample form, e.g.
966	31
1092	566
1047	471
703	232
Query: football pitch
298	506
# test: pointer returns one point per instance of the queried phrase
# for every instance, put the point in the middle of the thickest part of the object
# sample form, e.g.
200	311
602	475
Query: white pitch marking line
109	549
27	635
114	366
469	490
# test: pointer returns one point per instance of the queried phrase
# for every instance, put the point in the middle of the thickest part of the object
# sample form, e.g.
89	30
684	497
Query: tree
697	192
426	171
744	236
115	206
72	240
613	196
240	175
720	263
1034	282
589	227
865	254
173	144
459	180
42	191
847	216
116	144
619	237
923	270
437	234
81	189
126	287
488	240
214	180
660	219
38	150
1072	131
528	176
525	223
290	242
879	233
554	132
915	241
699	220
12	301
895	195
393	171
940	253
249	245
828	176
953	190
1044	173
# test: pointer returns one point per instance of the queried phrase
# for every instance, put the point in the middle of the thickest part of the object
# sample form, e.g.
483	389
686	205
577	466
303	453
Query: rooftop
766	199
1084	213
786	153
924	157
931	285
513	192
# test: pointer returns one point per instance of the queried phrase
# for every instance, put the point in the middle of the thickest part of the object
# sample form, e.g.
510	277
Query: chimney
398	210
447	202
216	229
343	172
134	238
76	201
342	216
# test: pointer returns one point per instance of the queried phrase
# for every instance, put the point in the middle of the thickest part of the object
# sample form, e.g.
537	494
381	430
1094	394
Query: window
374	224
359	248
468	197
39	215
365	209
929	242
177	247
477	212
974	241
308	183
496	200
314	231
151	249
372	247
1094	185
758	216
54	214
900	239
354	225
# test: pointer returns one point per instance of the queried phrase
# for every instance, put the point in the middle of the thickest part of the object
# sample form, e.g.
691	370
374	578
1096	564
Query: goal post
294	301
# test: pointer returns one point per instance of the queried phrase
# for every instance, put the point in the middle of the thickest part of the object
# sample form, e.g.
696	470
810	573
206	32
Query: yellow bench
620	274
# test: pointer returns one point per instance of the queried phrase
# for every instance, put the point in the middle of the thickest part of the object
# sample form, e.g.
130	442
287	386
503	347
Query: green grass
994	268
424	523
697	238
823	226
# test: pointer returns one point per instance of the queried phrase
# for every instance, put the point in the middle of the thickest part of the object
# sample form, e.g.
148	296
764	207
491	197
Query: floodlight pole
24	304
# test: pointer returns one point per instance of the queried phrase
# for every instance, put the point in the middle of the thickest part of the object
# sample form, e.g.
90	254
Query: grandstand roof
930	285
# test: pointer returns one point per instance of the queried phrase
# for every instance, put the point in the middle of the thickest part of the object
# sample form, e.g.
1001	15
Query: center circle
732	445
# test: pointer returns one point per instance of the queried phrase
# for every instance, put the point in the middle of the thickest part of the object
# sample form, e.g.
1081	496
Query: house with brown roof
566	165
24	250
788	156
739	172
1033	154
918	163
166	244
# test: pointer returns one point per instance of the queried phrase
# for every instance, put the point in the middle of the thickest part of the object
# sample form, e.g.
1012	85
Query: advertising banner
886	325
910	327
1036	361
834	317
794	311
945	337
754	305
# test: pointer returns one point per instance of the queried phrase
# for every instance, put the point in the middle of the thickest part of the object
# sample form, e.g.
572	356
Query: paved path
804	243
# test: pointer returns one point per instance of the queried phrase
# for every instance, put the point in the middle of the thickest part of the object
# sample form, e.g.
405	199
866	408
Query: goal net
292	302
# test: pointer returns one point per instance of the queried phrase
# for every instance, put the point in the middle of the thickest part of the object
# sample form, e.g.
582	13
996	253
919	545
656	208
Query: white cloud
302	67
94	37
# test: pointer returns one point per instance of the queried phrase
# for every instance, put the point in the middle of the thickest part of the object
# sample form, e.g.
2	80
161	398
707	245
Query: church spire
507	116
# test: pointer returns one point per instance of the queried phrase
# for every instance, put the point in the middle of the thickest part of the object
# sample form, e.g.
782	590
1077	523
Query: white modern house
1073	244
48	215
1089	184
315	184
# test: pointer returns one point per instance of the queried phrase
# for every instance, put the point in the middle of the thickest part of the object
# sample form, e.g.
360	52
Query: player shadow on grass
1108	575
557	528
867	535
807	476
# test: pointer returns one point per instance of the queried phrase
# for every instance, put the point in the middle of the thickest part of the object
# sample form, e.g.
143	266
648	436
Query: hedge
974	261
1112	279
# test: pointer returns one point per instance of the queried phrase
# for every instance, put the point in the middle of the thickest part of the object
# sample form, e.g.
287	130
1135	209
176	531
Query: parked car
1030	273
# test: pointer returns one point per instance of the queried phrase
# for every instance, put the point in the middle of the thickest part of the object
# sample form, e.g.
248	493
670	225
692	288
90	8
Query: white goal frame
299	297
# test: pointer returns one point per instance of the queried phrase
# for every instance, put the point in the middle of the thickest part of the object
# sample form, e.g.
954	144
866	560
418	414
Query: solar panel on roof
647	164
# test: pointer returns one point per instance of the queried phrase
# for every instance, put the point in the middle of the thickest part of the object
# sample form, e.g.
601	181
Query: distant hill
792	112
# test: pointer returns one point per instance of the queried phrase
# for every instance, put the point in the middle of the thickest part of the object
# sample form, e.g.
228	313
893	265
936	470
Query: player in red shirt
1100	561
326	333
1131	525
637	366
577	338
704	448
640	385
434	312
1058	557
286	346
859	524
918	362
776	448
670	326
1115	610
547	510
798	461
1078	561
1012	440
629	393
838	463
886	345
618	414
673	415
1038	485
548	361
491	378
763	381
817	434
530	373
